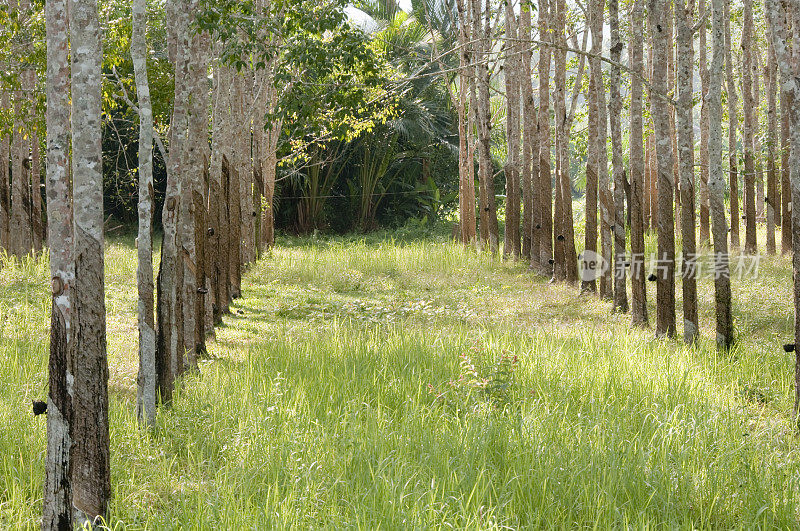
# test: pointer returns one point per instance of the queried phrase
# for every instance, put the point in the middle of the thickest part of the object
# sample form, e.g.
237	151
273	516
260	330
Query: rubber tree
684	18
146	388
57	506
636	157
90	458
791	83
618	162
660	110
716	181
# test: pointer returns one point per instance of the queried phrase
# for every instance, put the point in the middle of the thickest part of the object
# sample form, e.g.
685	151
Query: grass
315	408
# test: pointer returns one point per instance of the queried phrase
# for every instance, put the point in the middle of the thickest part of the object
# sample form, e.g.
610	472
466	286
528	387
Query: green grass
314	409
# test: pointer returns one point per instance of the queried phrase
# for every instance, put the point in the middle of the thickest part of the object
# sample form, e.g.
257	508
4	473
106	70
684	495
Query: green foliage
331	80
402	166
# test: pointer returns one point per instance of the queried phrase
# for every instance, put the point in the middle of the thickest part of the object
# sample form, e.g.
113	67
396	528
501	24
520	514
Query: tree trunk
786	189
244	84
473	16
716	180
466	190
90	452
489	229
589	282
544	191
57	508
673	130
791	83
568	223
705	220
170	339
5	189
684	16
615	110
732	125
748	138
146	390
268	223
638	286
21	242
771	199
235	224
651	188
758	148
20	185
512	242
530	141
219	230
32	181
605	196
665	302
37	226
558	23
194	157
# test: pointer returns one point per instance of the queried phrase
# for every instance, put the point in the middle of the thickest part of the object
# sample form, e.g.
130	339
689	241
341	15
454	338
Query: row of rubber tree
656	188
22	228
217	219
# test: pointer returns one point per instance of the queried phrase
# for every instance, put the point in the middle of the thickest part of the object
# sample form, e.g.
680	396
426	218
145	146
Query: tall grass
314	409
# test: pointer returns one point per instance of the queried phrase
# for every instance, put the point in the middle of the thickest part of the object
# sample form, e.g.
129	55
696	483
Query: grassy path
319	408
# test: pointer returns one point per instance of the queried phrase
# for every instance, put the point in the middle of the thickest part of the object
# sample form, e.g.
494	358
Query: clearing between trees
378	382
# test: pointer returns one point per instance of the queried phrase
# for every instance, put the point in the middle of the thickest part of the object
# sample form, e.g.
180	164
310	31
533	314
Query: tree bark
270	173
235	235
238	186
638	285
705	220
195	156
615	111
489	229
589	283
606	199
170	340
466	190
20	228
733	120
568	223
786	190
665	301
558	23
530	141
758	147
716	180
791	83
684	17
146	381
90	452
219	230
244	83
772	198
512	242
544	191
748	137
37	225
57	506
5	189
673	129
473	10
